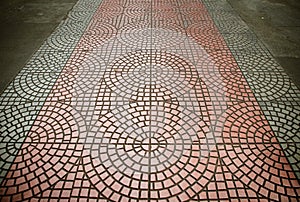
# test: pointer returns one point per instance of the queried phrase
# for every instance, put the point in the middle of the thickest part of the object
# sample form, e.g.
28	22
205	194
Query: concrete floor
24	26
277	24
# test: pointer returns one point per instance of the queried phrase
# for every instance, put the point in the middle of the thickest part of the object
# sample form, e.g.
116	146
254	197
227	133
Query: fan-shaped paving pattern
166	4
243	41
244	123
218	61
224	15
15	123
167	15
63	87
47	62
144	69
138	148
90	5
80	16
192	6
268	86
224	80
70	26
37	167
253	154
96	34
257	62
284	121
236	26
61	42
206	35
107	12
144	35
82	72
218	5
111	4
35	85
47	153
150	124
135	11
87	70
56	123
195	16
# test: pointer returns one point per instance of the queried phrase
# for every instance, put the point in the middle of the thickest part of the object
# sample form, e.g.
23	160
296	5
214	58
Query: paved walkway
134	100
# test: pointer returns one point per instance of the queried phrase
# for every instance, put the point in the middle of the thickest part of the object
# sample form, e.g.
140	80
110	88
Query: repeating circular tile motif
268	86
218	6
258	62
86	6
224	79
207	35
236	26
168	15
43	61
35	85
56	123
100	29
137	146
97	34
106	12
164	5
47	153
157	36
85	69
37	167
134	11
63	87
194	16
80	73
63	41
223	15
242	41
253	154
70	26
285	121
80	16
244	123
148	69
193	6
15	124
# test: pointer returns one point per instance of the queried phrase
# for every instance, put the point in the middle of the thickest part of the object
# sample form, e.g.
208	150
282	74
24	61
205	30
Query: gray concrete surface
24	25
277	24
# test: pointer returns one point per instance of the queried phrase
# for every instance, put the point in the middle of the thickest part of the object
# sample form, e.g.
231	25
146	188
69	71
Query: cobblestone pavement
140	100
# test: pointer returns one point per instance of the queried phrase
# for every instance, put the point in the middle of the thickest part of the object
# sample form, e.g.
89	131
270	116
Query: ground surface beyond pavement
133	100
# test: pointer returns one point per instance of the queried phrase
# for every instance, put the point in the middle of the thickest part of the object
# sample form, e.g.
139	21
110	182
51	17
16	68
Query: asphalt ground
24	26
277	24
